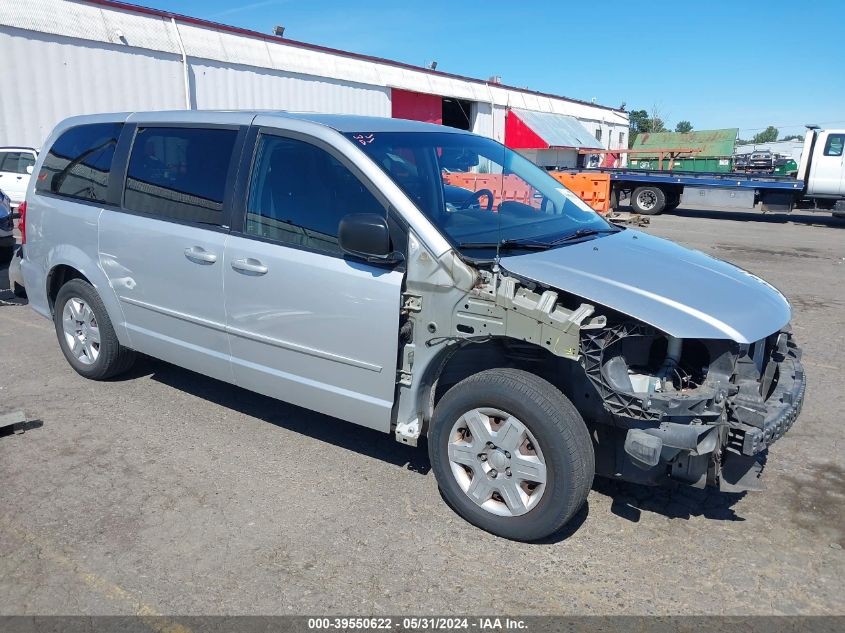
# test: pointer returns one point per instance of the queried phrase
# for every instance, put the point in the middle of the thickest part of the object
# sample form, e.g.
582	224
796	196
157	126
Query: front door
164	252
827	173
307	325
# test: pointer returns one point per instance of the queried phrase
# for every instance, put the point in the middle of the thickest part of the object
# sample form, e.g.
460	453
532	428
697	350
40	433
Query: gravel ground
165	492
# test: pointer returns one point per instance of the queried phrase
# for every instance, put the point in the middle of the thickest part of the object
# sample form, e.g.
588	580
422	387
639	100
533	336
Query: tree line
643	122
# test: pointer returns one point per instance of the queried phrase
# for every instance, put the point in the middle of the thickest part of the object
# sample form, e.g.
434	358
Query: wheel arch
68	263
457	362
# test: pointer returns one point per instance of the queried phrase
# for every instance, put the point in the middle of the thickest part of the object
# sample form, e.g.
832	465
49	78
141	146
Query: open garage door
417	106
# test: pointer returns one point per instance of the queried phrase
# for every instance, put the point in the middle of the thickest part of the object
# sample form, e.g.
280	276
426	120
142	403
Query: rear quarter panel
61	231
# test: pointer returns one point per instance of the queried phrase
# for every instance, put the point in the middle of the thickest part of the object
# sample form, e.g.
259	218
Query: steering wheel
546	202
476	197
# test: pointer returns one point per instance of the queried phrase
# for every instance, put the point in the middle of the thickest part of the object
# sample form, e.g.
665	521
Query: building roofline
126	6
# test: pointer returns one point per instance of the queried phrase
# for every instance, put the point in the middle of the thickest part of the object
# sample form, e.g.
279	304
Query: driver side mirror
367	236
29	169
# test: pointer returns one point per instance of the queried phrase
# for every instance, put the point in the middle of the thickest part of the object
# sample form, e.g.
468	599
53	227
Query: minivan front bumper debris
706	429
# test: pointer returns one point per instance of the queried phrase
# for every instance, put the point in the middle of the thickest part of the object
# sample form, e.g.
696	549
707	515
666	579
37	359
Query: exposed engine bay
659	408
697	411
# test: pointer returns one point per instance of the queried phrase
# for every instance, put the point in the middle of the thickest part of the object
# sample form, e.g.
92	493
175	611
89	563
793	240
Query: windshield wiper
512	244
577	235
506	245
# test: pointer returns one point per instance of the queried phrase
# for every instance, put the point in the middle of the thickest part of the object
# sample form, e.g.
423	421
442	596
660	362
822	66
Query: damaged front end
697	411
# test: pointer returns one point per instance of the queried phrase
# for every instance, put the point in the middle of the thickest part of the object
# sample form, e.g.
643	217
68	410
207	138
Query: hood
685	293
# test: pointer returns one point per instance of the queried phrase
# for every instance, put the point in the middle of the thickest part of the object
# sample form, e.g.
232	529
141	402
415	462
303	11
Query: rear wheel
673	201
19	290
86	334
648	200
511	454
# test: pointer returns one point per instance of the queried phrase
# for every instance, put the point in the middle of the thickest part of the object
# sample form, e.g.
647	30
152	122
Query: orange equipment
592	188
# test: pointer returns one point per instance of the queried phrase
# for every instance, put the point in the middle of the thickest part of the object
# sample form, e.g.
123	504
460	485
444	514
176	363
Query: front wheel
511	454
648	200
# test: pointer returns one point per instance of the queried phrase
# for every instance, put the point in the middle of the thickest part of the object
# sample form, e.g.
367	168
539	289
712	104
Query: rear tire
538	463
648	200
20	291
673	201
86	334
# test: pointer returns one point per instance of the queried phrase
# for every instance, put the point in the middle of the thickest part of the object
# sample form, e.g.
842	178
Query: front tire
86	334
511	454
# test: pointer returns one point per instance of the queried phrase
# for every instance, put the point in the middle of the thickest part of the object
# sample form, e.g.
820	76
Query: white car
16	165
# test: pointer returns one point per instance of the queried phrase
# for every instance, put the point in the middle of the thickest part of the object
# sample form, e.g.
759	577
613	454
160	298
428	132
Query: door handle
199	255
249	266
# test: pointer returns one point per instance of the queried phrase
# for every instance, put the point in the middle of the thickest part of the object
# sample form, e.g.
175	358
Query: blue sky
744	63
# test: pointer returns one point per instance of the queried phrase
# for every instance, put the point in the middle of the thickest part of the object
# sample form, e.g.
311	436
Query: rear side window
16	162
179	173
79	163
834	145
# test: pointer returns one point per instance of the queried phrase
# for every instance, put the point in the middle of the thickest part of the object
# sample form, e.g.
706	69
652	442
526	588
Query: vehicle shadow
8	298
802	217
629	500
381	446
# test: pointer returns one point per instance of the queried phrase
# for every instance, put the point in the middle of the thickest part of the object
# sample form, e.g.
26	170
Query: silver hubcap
82	334
646	200
497	461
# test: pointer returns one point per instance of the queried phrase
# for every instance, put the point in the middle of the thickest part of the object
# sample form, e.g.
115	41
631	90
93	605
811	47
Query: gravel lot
167	492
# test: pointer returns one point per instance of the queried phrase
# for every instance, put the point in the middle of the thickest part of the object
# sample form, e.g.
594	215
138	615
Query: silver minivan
415	279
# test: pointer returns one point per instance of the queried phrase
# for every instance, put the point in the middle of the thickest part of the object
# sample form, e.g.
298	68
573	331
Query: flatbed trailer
819	185
653	192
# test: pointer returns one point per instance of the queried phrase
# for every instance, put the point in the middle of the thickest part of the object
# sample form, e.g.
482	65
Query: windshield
478	192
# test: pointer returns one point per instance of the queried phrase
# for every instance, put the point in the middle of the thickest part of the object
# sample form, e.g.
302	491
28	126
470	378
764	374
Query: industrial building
68	57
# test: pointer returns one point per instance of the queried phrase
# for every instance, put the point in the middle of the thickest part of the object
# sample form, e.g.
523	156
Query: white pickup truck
822	169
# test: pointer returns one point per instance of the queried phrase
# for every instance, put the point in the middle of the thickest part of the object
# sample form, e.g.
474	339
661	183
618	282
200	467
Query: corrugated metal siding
89	22
713	143
74	79
223	86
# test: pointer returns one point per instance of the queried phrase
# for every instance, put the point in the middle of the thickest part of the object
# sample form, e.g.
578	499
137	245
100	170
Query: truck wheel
648	200
511	454
673	201
86	335
614	199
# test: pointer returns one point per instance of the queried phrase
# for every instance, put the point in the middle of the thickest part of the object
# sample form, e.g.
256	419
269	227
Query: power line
752	129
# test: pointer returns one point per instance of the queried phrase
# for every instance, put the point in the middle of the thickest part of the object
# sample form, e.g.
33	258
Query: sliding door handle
249	266
199	255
